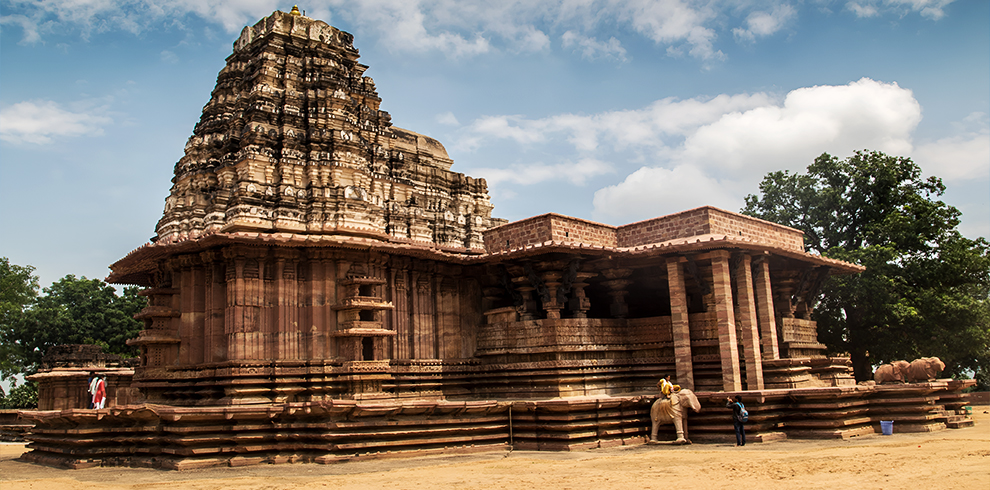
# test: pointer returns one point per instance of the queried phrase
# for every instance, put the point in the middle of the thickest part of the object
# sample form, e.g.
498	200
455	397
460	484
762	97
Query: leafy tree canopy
71	311
926	288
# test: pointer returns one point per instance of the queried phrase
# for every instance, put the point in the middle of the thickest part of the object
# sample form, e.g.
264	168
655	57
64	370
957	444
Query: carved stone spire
293	140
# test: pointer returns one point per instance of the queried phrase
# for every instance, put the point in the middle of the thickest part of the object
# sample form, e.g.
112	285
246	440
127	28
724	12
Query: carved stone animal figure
673	410
925	369
895	372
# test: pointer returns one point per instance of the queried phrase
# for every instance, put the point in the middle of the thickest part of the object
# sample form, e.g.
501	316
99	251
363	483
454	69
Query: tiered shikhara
323	287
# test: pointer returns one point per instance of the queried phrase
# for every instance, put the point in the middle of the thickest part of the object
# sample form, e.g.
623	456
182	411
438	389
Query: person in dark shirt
737	419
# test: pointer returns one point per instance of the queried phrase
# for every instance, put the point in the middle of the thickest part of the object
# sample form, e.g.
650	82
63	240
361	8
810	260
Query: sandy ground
950	459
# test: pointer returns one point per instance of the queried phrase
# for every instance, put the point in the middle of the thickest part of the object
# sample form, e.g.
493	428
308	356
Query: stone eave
681	245
135	267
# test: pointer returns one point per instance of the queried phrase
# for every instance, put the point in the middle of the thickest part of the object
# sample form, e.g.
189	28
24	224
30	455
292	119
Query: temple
323	285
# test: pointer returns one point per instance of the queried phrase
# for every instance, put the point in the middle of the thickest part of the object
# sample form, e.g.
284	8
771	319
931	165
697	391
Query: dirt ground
956	459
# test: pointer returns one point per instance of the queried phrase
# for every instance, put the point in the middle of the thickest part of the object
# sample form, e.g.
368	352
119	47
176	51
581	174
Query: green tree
926	288
72	311
23	396
18	289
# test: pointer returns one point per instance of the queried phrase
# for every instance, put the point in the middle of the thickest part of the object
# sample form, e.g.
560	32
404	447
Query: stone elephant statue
895	372
673	410
925	369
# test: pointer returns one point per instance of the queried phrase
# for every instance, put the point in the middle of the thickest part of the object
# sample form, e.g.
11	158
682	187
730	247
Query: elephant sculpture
925	369
674	409
895	372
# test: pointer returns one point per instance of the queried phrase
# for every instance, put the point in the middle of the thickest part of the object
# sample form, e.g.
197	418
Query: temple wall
708	220
556	227
568	229
695	222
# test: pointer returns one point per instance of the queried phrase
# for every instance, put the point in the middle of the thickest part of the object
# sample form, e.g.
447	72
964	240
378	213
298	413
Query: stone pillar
234	315
679	323
617	290
748	323
424	338
448	317
551	280
728	344
187	322
522	285
766	313
197	352
287	339
580	303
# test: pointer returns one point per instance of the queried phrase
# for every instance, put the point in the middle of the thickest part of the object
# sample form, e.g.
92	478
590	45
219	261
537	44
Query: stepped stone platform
178	438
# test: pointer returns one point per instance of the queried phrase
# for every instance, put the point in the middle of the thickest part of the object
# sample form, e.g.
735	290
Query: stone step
959	422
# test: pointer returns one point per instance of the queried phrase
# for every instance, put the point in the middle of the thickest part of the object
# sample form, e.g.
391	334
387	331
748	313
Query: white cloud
28	26
38	122
402	27
488	128
843	118
650	192
169	57
448	118
591	48
962	157
134	16
618	130
735	140
576	173
464	28
932	9
763	24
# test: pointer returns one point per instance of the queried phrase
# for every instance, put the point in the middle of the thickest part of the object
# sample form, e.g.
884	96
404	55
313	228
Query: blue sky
609	110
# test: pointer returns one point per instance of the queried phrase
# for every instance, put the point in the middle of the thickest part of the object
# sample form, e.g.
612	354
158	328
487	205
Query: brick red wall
681	225
556	227
568	229
725	222
518	234
693	222
705	220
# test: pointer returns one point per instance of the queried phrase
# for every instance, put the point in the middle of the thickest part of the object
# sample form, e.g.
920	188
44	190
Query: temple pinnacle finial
295	10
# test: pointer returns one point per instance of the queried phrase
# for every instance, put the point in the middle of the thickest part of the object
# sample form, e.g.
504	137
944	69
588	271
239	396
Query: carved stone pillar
551	279
728	344
234	326
617	286
748	323
522	285
679	324
765	312
579	303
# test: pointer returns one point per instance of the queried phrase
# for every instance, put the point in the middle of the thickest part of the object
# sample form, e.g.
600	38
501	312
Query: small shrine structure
322	286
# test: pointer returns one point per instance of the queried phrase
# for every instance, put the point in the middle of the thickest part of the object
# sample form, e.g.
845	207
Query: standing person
93	379
739	416
100	396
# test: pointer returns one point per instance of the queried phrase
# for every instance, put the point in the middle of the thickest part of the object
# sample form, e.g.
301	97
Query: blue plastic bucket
887	427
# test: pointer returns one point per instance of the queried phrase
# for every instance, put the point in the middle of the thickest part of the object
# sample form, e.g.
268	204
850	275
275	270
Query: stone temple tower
293	140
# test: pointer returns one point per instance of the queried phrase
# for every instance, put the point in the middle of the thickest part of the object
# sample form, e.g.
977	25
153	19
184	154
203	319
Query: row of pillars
755	315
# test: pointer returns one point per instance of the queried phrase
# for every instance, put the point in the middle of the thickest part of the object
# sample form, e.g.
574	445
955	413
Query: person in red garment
100	396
